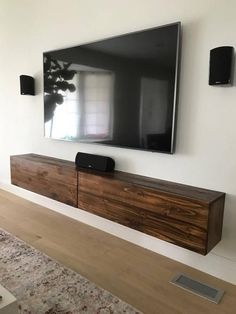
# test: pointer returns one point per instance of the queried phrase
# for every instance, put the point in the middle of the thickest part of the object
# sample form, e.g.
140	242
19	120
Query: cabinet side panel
215	223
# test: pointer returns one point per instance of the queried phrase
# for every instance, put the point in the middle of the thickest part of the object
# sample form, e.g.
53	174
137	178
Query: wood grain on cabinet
183	215
48	176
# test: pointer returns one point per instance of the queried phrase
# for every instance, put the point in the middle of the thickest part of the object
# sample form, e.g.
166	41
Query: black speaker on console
26	85
96	162
221	61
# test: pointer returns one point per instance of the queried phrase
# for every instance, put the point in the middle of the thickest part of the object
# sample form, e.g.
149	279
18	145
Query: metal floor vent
198	288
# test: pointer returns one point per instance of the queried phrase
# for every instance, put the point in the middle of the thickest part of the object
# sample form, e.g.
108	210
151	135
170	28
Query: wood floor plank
136	275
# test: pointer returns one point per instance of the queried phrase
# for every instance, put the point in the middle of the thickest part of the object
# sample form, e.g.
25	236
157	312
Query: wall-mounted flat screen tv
120	91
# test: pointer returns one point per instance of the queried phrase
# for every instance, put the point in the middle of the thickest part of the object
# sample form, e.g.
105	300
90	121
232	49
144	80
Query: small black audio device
221	63
96	162
27	85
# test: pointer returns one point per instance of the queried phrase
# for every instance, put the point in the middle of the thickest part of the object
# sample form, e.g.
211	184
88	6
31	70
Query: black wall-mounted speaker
96	162
221	62
27	85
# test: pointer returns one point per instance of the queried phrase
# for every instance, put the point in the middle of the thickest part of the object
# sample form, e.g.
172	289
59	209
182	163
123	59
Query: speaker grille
221	59
203	290
96	162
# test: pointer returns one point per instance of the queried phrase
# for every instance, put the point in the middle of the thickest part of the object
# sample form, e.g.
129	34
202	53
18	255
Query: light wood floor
138	276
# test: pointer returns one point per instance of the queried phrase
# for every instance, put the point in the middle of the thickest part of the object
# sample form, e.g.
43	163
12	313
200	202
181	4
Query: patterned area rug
42	285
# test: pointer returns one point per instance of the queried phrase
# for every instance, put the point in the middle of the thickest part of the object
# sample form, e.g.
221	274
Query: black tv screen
119	91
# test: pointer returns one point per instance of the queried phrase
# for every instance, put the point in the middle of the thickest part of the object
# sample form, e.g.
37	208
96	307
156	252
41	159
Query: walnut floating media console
187	216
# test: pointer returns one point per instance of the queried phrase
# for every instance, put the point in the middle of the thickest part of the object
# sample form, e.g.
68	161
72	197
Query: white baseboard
213	264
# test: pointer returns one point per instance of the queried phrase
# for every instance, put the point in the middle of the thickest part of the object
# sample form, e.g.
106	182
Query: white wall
206	129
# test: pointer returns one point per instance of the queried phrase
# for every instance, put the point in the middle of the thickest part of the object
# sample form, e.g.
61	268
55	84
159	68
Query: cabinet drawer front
162	227
47	180
155	201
